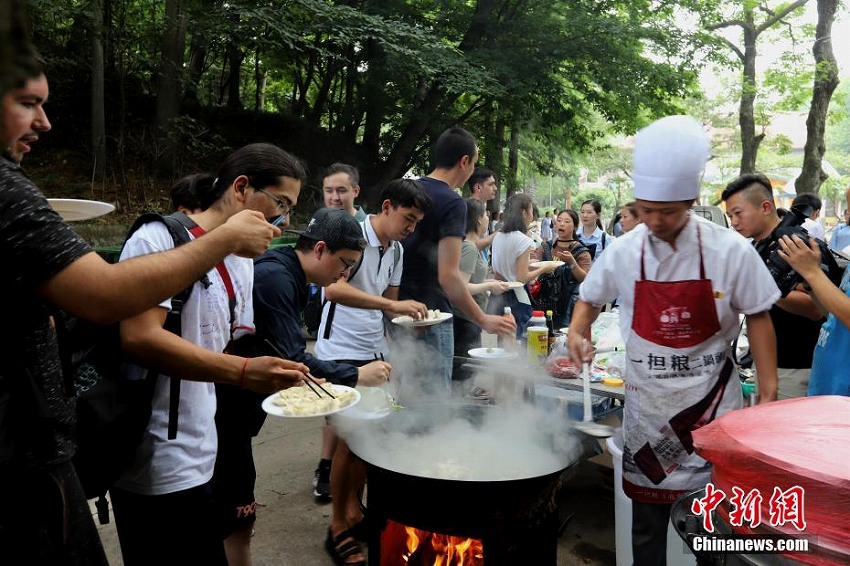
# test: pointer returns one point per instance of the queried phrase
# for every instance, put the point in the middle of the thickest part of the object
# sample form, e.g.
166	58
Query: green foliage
369	81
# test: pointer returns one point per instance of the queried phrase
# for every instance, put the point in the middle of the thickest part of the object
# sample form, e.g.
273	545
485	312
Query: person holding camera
796	318
829	374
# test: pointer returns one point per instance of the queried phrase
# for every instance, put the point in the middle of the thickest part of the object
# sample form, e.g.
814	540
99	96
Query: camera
783	274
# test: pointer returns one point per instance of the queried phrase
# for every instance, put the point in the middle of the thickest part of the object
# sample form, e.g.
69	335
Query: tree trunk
513	159
168	95
826	80
746	117
423	115
496	161
171	65
372	87
260	82
235	56
98	101
197	59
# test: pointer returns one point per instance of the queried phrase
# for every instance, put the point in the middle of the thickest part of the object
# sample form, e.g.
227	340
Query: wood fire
423	548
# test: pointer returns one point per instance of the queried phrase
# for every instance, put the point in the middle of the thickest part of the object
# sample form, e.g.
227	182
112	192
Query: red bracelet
242	375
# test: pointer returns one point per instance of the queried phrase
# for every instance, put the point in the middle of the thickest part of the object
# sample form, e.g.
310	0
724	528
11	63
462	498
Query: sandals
360	530
344	546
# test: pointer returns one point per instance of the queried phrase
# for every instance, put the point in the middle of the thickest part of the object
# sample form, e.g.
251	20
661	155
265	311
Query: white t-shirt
505	250
166	466
814	228
358	334
740	280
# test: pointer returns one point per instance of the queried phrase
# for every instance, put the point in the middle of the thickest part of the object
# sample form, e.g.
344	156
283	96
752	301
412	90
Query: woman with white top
591	234
510	256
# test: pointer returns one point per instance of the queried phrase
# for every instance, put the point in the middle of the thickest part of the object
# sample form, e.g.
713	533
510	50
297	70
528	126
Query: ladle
587	425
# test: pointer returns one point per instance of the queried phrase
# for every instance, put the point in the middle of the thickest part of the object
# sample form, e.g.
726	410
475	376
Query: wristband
242	374
573	266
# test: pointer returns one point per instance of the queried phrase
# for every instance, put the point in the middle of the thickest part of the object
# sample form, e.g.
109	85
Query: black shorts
233	483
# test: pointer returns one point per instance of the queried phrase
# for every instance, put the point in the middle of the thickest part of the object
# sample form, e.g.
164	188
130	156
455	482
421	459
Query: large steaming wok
505	444
401	489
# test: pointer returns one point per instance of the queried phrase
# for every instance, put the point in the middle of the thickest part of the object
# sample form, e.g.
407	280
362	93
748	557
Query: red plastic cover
776	448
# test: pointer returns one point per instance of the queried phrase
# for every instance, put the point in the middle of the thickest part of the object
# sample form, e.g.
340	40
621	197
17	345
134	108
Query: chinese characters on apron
678	371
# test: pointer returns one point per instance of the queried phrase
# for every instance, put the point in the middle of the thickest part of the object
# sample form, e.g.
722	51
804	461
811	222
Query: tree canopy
366	82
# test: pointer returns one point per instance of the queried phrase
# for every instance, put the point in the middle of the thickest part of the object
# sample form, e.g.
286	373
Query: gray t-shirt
37	416
471	262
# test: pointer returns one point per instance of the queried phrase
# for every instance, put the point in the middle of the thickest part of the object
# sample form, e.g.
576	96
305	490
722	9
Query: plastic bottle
538	318
537	336
507	342
551	325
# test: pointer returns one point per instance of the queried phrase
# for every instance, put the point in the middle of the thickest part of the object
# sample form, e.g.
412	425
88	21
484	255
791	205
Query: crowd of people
191	485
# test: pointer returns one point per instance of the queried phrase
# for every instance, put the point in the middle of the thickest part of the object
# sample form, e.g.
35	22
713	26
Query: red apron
677	371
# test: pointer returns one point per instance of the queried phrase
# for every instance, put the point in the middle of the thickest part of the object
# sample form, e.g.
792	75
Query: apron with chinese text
678	370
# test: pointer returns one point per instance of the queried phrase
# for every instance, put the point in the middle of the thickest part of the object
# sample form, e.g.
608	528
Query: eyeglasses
346	264
282	206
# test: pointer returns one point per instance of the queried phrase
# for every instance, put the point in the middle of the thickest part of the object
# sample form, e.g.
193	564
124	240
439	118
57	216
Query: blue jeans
425	359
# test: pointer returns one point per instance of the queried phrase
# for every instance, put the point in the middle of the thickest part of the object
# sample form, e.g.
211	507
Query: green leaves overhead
373	81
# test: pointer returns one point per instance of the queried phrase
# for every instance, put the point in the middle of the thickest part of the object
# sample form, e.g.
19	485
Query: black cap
335	227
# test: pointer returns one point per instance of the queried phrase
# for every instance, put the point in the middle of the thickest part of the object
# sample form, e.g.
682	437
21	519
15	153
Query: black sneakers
322	482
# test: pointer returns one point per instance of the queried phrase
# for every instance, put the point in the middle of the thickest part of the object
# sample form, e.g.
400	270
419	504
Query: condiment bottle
551	326
537	338
507	342
538	318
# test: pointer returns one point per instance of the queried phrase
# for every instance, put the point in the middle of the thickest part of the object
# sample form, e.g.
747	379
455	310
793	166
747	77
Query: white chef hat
669	158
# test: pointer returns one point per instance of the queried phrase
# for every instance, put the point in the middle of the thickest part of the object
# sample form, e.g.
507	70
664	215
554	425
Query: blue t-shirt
830	370
840	237
445	218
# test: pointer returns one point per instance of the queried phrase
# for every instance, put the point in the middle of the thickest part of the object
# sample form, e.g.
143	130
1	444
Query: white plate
407	321
492	353
565	329
514	284
555	262
375	403
72	209
278	411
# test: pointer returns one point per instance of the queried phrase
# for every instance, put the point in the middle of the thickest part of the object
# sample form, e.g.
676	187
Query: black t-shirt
446	217
36	413
796	337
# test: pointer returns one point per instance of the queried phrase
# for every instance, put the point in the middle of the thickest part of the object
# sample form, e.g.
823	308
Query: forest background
145	91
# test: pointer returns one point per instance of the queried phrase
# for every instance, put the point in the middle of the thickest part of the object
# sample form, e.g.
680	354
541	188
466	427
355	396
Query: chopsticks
308	374
317	384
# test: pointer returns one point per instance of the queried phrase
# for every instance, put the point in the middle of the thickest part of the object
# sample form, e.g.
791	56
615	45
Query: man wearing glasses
330	246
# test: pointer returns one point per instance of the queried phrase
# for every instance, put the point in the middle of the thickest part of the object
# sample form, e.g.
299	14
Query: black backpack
112	412
555	288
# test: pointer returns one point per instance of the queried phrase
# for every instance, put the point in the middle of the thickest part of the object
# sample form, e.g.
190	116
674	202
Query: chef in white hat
690	279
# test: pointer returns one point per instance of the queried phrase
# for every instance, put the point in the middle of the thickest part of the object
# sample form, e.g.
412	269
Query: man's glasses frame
282	206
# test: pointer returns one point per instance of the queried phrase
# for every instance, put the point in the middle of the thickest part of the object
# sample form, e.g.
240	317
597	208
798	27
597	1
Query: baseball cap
335	227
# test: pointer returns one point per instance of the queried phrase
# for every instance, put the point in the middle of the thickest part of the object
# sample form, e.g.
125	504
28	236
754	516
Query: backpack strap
332	308
174	389
179	226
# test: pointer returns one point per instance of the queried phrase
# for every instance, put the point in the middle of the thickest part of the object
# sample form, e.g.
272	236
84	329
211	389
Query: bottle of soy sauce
550	324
